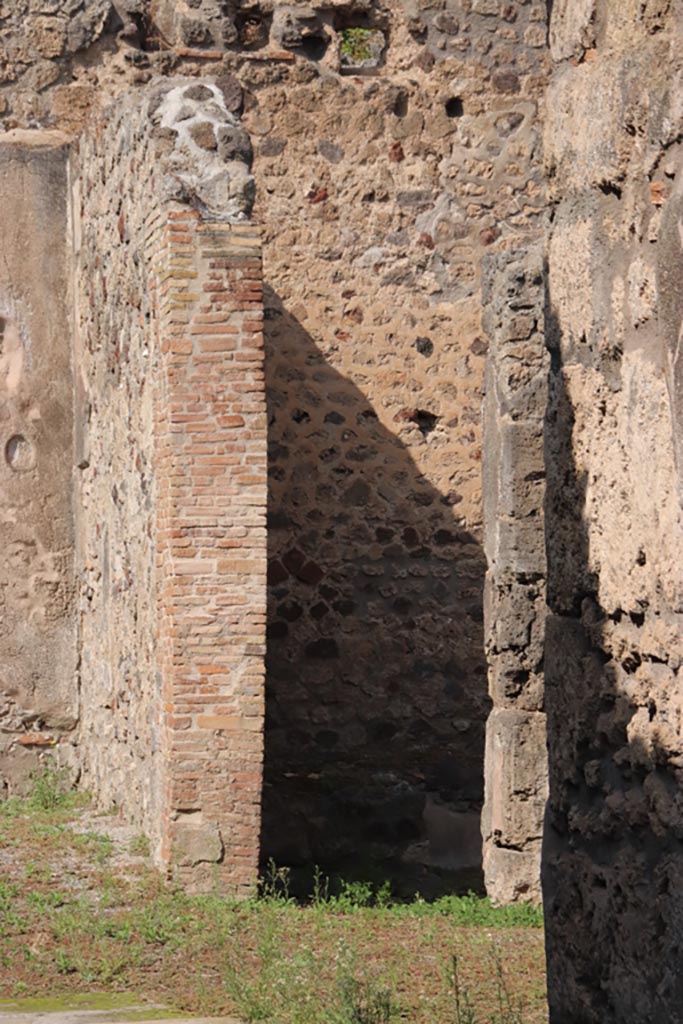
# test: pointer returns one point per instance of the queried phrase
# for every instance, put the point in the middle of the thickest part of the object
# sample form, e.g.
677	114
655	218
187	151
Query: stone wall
116	364
382	180
612	859
171	456
514	488
379	194
38	692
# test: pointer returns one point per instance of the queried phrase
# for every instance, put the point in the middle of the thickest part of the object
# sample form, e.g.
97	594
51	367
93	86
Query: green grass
72	920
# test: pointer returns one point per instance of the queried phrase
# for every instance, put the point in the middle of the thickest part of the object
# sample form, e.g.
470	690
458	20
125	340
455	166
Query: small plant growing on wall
361	47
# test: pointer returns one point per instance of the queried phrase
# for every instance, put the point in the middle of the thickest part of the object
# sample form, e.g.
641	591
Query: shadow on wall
612	858
376	694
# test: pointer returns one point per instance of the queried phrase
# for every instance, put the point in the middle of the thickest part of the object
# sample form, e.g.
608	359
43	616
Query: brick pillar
210	428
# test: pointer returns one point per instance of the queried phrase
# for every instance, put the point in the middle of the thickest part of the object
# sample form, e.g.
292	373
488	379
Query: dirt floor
82	910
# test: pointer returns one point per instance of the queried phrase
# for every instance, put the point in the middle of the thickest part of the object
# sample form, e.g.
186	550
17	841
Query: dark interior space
376	693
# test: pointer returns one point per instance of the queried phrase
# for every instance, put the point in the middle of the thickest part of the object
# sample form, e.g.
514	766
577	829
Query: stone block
572	28
516	546
196	844
515	474
513	876
516	777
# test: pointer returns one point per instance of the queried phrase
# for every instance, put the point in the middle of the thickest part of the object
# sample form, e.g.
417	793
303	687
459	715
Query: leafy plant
50	790
355	44
361	44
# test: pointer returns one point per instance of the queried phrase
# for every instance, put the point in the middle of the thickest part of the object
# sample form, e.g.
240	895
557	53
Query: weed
383	895
321	888
50	790
464	1011
12	807
353	896
364	1002
105	848
162	922
139	846
38	872
46	901
356	44
7	895
274	887
508	1010
64	962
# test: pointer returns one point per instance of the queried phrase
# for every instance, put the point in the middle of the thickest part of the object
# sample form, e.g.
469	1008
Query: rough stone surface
38	689
514	609
171	448
379	184
374	365
612	860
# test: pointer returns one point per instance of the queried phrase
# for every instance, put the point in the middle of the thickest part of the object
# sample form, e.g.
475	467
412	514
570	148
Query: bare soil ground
82	910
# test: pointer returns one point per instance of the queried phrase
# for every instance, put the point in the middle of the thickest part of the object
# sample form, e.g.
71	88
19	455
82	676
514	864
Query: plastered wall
38	684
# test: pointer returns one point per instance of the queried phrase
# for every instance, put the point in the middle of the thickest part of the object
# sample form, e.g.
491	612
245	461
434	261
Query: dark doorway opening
376	694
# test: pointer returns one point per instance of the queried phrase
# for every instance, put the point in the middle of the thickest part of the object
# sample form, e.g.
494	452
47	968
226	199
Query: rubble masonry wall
612	860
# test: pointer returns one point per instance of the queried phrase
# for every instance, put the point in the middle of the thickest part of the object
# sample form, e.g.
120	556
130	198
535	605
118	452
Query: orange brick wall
210	547
171	529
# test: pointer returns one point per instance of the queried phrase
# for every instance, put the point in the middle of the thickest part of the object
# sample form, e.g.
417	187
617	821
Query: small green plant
64	962
50	790
364	1002
164	920
37	871
383	895
353	896
46	901
508	1011
464	1011
7	895
274	887
104	849
361	46
321	888
139	846
355	44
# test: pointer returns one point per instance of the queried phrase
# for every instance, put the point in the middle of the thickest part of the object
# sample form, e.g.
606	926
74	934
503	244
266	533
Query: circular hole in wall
19	454
454	107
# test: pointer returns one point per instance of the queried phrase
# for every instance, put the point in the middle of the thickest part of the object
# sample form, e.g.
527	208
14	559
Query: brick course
180	745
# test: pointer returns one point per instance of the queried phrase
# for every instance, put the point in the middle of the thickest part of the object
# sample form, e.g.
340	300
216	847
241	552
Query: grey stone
197	844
